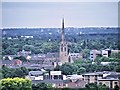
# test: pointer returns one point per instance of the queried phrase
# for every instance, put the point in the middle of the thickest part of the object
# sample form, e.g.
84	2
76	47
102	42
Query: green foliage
81	70
12	46
7	72
102	87
22	58
28	47
93	86
50	47
118	68
116	87
67	69
75	48
86	53
42	86
11	72
83	66
107	59
1	73
15	84
113	66
115	55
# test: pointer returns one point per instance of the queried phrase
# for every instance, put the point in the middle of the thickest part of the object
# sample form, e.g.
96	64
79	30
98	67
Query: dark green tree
116	87
67	69
81	70
22	58
42	86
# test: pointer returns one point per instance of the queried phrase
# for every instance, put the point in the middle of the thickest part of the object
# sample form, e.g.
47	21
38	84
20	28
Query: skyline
60	1
50	14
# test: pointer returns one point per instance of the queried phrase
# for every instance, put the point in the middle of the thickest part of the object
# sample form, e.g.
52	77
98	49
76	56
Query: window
65	48
56	77
64	84
115	83
69	59
100	83
61	49
65	54
104	54
59	84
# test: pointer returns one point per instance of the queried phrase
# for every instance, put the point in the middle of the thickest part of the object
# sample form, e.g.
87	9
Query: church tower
63	46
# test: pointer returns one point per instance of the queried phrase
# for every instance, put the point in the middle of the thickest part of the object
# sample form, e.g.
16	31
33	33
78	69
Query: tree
15	84
1	73
42	86
104	59
7	72
81	70
22	58
28	47
86	53
106	68
115	55
116	87
11	72
102	87
117	68
93	86
49	47
24	70
67	69
19	73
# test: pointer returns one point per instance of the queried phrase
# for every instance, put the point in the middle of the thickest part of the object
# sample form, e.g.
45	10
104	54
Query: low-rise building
110	80
92	77
56	75
35	75
12	63
57	79
93	54
104	53
74	77
58	83
74	56
115	51
23	53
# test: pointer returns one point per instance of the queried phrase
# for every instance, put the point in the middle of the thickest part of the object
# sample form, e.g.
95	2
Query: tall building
63	46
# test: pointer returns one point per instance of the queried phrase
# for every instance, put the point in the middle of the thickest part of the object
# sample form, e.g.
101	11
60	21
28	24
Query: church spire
63	33
63	23
63	46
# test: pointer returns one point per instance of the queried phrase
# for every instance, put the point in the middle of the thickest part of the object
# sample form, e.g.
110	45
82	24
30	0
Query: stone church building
64	55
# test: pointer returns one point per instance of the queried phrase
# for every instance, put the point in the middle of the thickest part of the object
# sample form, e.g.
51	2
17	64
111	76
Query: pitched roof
57	81
33	73
52	55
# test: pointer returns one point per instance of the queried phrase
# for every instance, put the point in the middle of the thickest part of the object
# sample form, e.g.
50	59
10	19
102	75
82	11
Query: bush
15	84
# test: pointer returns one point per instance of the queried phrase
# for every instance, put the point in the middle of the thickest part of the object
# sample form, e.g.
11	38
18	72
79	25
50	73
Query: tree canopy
15	84
11	72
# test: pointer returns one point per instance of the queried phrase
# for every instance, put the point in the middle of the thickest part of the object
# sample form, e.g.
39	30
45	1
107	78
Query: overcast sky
49	14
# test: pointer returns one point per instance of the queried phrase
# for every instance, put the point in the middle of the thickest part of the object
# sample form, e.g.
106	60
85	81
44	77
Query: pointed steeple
63	23
63	46
63	33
